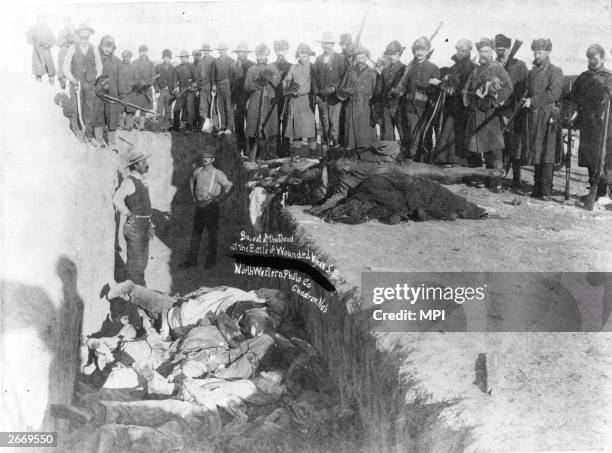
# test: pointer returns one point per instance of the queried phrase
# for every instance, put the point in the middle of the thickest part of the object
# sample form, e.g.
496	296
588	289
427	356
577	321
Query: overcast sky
571	25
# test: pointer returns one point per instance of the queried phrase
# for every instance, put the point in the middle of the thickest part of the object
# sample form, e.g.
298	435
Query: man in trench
133	201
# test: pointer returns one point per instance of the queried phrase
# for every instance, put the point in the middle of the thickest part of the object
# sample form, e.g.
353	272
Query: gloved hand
291	90
267	75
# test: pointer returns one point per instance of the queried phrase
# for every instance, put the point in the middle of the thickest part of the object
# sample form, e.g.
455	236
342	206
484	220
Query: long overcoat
540	121
270	106
489	137
358	127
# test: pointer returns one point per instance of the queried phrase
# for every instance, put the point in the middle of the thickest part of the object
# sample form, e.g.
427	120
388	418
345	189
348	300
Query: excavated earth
414	392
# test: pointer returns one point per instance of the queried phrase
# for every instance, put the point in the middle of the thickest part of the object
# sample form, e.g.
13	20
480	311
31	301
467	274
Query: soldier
297	85
164	84
346	45
222	74
204	74
42	40
105	112
132	200
82	66
144	71
544	87
360	85
280	49
589	92
239	95
127	78
487	87
328	72
517	70
261	80
419	86
392	104
184	89
197	56
451	143
65	39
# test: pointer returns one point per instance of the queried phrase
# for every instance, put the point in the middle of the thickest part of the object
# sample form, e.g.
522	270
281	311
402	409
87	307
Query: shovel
209	123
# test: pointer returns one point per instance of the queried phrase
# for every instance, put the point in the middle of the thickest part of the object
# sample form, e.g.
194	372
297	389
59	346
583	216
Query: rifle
174	97
347	76
568	155
515	47
114	100
410	65
568	161
259	127
589	202
516	112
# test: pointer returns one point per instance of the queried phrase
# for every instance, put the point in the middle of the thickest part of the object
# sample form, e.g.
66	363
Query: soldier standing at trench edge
133	201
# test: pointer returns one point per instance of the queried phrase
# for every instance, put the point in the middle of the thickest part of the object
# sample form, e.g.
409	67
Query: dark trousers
204	218
239	120
136	232
542	180
224	101
329	117
602	190
187	101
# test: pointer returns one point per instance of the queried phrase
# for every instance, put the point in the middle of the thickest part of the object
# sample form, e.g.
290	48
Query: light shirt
127	188
207	183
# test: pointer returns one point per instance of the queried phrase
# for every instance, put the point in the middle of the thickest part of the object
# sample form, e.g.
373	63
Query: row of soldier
463	115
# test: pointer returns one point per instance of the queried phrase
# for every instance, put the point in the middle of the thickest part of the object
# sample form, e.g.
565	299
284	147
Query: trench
364	369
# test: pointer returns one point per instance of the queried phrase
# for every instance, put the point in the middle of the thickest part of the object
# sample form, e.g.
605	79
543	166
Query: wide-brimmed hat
242	47
541	44
84	27
135	156
304	48
206	47
280	45
221	46
328	38
208	151
184	53
262	49
394	47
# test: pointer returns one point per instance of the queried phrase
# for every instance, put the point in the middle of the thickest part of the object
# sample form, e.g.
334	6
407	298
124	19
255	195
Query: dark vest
139	202
83	66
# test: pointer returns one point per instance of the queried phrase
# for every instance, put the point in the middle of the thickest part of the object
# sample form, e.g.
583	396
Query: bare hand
435	82
527	103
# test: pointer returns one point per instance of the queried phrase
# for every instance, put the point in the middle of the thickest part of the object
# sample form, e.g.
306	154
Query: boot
112	138
547	181
141	123
73	413
99	136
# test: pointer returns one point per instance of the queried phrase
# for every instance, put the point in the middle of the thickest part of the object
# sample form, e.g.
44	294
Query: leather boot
112	138
99	136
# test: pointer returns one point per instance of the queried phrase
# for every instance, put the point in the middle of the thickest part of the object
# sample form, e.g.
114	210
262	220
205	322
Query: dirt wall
57	239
